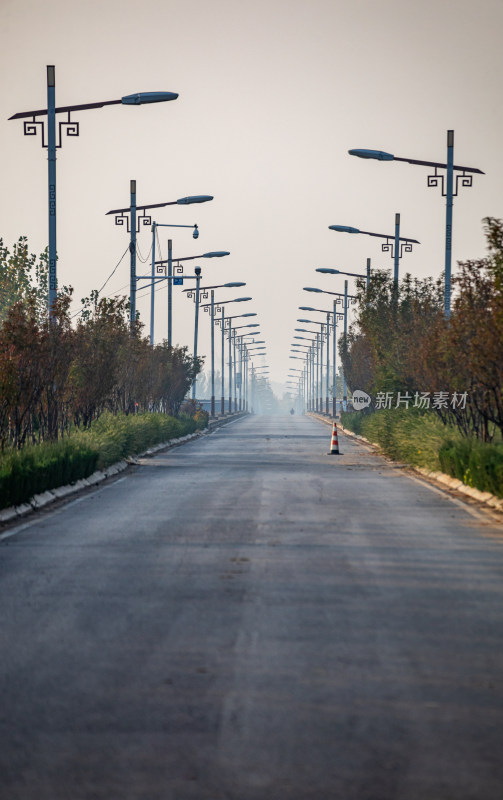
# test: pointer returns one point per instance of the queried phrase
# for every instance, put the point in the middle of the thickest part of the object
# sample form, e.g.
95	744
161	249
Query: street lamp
313	366
201	198
222	321
71	128
218	306
327	382
128	216
179	270
391	246
346	303
466	179
133	226
201	293
248	350
328	271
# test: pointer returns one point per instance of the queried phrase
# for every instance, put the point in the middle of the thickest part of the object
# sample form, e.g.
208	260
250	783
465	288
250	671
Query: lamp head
327	271
147	97
306	308
194	198
343	229
216	254
379	155
311	289
195	233
197	270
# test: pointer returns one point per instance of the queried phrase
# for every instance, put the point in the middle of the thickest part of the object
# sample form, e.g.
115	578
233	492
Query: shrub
421	439
476	463
408	435
37	468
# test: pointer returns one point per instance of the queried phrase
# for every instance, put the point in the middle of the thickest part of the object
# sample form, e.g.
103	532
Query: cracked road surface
248	618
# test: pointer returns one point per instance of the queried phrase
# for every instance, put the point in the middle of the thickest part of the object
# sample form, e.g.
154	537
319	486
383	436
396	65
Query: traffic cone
334	446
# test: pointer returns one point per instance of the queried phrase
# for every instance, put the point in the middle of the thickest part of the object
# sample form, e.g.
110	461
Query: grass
37	468
422	440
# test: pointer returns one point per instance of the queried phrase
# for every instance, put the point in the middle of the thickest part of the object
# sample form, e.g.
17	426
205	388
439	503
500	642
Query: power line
111	274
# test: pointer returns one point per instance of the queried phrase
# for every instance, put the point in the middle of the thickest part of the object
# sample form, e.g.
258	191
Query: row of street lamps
240	352
43	121
309	383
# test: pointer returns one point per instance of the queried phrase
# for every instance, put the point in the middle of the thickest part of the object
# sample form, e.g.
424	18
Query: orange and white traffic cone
334	446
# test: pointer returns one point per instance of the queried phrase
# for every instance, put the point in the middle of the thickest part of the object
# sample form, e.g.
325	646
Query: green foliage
421	438
476	463
192	409
352	420
55	375
37	468
401	340
115	436
22	275
407	435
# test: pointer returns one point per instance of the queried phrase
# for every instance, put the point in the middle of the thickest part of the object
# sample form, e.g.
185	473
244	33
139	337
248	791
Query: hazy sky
273	93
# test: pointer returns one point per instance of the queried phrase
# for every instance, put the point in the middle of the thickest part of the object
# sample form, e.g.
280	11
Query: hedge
37	468
476	463
421	439
408	435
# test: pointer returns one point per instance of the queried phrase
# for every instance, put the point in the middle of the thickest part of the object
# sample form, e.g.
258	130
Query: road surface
248	618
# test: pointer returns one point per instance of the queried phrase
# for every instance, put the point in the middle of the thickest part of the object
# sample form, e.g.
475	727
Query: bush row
476	463
33	470
37	468
421	439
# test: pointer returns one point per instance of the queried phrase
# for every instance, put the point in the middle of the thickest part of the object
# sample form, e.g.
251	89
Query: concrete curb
39	501
486	498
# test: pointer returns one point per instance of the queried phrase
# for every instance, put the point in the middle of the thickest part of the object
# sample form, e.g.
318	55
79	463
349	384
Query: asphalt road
248	618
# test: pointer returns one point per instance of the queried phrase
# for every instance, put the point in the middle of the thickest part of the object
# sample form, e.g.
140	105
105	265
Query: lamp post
391	245
233	383
254	384
336	317
327	381
170	277
222	322
307	373
212	312
197	270
314	361
298	383
255	347
327	271
447	188
202	294
200	198
133	225
346	304
71	128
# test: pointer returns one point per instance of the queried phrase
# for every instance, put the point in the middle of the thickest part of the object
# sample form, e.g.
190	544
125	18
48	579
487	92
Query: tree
22	275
